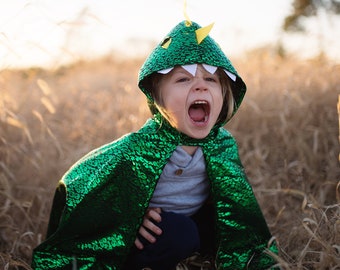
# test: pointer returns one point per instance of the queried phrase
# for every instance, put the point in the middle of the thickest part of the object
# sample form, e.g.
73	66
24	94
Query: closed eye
183	79
211	79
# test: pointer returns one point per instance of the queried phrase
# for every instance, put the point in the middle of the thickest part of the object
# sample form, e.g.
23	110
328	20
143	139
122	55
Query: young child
173	188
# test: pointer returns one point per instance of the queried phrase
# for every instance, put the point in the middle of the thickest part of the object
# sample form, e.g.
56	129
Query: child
175	187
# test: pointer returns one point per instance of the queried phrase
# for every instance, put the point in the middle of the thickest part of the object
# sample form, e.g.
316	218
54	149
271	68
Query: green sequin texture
108	191
100	202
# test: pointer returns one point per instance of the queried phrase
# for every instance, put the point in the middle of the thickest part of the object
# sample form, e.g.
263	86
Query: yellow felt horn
203	32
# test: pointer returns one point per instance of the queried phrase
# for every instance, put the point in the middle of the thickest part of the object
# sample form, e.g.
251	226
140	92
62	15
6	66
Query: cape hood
189	43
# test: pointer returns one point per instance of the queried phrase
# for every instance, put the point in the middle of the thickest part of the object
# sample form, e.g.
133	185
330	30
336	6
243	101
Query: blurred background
68	84
50	33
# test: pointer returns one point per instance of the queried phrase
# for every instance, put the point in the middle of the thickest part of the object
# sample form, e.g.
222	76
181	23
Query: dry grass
287	129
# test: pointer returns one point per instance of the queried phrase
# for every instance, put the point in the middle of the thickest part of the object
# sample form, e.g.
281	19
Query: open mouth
199	111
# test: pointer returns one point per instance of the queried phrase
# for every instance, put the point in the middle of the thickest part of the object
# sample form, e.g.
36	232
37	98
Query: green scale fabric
100	202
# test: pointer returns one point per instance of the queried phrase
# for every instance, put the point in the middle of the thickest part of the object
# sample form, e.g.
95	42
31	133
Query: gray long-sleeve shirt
183	186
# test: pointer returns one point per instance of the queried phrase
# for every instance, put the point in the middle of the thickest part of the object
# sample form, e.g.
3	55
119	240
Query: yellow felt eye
166	42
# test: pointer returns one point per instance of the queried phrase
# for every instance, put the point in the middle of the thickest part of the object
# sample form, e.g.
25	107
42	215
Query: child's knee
181	232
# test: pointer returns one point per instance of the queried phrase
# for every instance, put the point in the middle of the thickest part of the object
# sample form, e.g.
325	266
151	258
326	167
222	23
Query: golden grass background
287	130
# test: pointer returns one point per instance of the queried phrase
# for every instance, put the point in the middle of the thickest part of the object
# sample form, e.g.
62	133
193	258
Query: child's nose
200	84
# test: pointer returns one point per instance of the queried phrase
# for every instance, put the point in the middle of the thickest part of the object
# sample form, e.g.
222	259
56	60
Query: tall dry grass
287	130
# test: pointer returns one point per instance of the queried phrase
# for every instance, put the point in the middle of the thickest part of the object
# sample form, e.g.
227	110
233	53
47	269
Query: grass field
287	130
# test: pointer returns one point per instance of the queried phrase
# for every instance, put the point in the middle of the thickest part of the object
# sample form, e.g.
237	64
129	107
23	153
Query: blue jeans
179	240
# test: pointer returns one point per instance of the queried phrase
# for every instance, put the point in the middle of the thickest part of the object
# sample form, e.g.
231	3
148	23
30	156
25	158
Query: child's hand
152	214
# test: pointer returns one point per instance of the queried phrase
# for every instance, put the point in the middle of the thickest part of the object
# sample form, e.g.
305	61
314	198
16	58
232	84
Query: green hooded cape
100	202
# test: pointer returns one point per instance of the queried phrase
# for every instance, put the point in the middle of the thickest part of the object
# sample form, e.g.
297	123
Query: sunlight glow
50	33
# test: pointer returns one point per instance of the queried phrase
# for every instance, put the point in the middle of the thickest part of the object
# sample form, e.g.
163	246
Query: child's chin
198	135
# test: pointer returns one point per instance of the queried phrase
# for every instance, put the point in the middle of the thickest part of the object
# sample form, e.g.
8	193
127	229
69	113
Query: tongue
197	113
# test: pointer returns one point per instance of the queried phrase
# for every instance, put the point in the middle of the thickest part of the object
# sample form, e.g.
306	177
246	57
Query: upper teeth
200	102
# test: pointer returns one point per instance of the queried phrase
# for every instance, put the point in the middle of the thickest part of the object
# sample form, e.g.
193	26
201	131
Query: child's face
192	103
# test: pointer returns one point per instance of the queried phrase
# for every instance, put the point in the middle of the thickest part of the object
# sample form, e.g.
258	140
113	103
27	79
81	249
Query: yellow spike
203	32
187	19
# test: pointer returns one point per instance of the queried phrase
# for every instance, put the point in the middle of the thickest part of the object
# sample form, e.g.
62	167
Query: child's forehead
192	69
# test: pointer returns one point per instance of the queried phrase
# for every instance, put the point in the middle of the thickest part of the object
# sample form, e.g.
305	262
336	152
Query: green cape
100	202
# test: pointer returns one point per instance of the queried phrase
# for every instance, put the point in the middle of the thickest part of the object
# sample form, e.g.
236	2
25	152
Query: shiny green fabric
101	200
